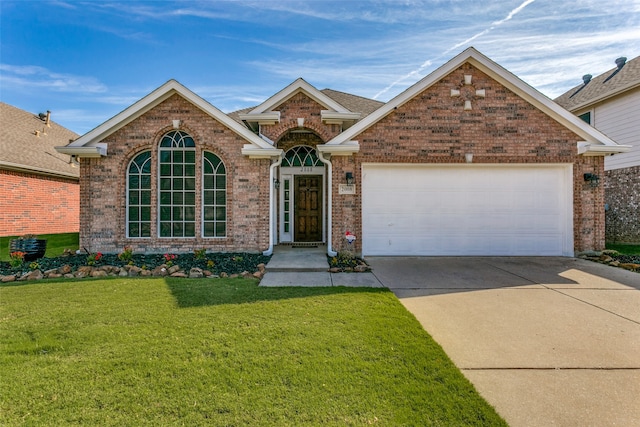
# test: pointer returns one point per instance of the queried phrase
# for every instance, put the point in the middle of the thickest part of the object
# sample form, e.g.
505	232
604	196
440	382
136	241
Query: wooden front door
308	208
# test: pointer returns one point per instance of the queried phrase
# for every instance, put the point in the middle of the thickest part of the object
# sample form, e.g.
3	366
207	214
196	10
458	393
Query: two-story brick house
468	161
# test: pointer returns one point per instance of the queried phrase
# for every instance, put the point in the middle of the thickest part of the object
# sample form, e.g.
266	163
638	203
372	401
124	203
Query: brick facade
37	204
433	127
622	195
103	185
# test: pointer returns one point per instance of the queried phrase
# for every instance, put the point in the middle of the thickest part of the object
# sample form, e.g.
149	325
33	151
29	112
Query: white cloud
29	77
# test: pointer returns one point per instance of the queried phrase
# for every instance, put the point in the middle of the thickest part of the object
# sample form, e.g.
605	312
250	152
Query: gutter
272	169
330	251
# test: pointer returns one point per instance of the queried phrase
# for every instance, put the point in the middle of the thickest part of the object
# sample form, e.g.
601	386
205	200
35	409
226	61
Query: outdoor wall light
349	177
592	179
276	183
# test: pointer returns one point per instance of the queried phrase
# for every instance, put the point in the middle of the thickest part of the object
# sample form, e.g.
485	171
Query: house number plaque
347	189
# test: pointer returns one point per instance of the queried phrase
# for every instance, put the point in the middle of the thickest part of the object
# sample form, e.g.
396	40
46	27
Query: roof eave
589	150
91	151
590	103
35	170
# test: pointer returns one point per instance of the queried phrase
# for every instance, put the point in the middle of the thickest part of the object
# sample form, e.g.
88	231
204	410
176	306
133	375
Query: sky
86	61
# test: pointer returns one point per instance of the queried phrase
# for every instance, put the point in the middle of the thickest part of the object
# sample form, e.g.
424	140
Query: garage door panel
468	210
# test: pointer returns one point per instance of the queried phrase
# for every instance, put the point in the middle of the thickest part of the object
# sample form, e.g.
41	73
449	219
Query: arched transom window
301	155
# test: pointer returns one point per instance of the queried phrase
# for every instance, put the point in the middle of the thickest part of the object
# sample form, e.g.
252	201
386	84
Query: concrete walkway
308	266
547	341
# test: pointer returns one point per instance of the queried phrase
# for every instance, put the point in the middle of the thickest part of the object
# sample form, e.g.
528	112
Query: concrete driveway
547	341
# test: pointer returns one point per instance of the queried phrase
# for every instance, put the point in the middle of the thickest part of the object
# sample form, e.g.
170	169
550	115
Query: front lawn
223	352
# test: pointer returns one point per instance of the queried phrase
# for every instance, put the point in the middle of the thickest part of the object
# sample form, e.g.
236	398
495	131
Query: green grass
56	244
222	352
625	249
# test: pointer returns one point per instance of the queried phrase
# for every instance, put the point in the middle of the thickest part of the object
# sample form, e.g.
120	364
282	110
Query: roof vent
621	61
586	78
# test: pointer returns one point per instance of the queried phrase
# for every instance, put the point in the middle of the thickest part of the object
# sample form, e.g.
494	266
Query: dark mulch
230	263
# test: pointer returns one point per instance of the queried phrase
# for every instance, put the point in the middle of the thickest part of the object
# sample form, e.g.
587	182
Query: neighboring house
39	188
468	161
611	103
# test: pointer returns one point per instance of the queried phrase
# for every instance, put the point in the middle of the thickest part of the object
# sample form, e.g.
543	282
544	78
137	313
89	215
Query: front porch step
289	259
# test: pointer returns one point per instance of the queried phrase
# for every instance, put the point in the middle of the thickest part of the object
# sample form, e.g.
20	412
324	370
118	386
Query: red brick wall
103	185
37	204
433	127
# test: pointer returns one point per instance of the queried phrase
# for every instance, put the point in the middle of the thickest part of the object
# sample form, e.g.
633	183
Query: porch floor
300	266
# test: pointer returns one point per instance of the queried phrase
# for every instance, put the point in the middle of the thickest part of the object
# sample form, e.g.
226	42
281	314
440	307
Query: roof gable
90	144
502	76
299	85
600	88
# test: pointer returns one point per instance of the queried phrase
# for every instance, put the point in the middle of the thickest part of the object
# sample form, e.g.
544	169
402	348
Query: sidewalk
302	266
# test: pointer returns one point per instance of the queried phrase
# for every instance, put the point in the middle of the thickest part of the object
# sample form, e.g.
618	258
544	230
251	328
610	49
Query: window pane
165	169
145	229
177	183
190	199
208	182
208	198
165	198
178	229
190	213
208	229
134	197
178	170
134	182
177	156
165	213
165	183
134	214
134	230
178	213
221	182
165	229
190	229
221	214
221	229
220	198
165	156
177	198
145	197
190	170
145	213
208	213
145	181
189	184
190	156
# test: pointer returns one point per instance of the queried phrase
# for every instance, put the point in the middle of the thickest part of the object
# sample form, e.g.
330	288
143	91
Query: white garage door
467	210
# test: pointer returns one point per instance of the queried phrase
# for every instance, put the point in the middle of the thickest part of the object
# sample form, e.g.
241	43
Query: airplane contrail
428	63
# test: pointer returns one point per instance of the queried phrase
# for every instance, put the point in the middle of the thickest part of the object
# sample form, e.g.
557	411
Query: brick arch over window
320	130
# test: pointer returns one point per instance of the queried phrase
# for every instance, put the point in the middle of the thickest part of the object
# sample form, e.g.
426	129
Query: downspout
330	251
272	169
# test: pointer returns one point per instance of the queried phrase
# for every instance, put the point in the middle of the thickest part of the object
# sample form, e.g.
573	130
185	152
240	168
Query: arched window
301	155
177	185
214	196
139	196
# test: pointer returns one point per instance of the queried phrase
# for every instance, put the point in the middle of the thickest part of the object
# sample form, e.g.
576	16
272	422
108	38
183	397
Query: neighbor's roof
604	86
27	144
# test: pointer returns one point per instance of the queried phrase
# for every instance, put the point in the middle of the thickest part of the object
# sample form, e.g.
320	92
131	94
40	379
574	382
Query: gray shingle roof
354	103
22	149
602	87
